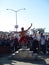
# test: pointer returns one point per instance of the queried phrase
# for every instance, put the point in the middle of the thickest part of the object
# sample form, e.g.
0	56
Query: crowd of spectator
36	42
9	41
39	44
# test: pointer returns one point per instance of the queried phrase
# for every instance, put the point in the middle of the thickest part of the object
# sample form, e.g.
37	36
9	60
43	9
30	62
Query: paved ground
6	61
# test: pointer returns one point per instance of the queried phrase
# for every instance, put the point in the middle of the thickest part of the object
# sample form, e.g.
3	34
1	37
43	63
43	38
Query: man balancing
23	36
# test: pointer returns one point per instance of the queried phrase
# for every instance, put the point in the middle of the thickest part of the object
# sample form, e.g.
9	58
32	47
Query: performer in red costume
23	35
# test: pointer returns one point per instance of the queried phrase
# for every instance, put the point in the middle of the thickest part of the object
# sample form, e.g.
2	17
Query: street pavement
5	60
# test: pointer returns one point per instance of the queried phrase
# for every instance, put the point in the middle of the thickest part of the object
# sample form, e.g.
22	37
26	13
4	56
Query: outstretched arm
29	27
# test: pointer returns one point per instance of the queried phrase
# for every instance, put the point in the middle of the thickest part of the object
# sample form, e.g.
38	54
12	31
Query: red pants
24	39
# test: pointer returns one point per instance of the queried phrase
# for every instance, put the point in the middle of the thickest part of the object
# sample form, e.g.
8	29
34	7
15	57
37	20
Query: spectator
43	45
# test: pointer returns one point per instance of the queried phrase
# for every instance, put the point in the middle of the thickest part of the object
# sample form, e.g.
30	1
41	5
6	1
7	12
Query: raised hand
31	24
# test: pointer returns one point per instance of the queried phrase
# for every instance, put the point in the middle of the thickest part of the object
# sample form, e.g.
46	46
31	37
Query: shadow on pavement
40	59
33	61
6	61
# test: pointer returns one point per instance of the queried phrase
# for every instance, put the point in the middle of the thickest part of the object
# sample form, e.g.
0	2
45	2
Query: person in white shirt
43	44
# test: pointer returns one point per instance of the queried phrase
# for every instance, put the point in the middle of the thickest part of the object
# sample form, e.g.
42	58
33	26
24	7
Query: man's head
22	28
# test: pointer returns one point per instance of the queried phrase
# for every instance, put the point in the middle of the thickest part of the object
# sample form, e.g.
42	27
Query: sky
36	12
